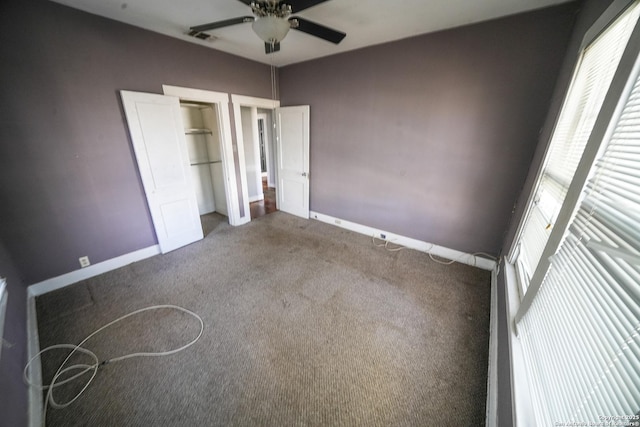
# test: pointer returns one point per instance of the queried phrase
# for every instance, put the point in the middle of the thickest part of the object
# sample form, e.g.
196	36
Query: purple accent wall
431	137
70	185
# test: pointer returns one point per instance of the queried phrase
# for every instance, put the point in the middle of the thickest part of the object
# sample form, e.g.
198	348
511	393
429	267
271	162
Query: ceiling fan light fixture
270	28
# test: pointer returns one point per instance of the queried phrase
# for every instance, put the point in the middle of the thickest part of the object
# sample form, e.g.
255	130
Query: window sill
523	415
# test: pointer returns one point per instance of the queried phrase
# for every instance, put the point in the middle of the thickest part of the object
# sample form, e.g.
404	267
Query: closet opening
203	138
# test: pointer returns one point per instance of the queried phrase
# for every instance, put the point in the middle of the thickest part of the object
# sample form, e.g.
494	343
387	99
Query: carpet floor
306	324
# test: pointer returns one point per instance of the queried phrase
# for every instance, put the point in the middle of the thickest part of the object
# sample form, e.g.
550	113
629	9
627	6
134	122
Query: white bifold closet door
157	135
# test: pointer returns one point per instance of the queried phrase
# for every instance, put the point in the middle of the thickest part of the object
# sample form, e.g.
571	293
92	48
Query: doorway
290	138
268	204
256	150
256	143
206	120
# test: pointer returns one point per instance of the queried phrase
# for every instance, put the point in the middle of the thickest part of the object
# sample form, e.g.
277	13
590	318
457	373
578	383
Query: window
579	319
582	105
582	332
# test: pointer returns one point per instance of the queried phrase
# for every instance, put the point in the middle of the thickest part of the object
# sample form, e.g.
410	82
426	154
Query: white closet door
157	134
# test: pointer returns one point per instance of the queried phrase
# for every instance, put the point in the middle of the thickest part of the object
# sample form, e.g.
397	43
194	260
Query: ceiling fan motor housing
271	29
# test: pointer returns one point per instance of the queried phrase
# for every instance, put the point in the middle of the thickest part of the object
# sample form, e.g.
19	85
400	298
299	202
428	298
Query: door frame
254	150
268	146
238	101
221	101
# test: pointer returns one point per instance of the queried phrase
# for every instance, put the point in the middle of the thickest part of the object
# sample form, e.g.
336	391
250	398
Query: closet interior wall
202	134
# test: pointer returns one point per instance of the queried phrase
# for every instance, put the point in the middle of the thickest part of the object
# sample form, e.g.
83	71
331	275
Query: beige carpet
306	324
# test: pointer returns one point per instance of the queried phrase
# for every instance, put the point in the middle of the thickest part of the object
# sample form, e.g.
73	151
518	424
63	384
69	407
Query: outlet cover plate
84	261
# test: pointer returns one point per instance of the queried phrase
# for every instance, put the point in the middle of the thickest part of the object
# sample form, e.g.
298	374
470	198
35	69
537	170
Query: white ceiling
366	23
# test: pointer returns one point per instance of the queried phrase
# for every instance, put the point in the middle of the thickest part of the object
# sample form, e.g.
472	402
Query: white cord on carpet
373	240
439	261
431	256
385	244
84	368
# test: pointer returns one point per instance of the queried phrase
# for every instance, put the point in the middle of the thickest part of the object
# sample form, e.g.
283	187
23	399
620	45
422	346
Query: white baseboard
91	271
244	220
35	372
439	251
256	198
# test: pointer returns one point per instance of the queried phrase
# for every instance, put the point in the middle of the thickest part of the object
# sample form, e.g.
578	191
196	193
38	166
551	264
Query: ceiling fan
272	20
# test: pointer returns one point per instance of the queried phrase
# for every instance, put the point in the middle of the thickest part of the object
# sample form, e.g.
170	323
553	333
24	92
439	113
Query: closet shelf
193	105
206	163
198	132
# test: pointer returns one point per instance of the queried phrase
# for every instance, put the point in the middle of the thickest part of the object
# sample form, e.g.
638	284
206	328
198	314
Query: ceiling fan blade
220	24
270	48
298	5
317	30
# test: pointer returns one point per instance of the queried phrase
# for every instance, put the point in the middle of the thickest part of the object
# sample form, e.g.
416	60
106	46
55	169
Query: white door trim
221	100
246	101
256	152
255	147
250	101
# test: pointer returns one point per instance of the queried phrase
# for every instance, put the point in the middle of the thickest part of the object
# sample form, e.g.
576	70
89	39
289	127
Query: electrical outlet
84	261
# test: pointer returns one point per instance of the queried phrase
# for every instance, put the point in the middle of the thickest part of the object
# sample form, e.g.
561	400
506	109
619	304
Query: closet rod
197	131
206	163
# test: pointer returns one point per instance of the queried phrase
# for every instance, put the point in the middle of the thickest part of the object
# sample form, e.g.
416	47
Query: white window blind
583	102
581	334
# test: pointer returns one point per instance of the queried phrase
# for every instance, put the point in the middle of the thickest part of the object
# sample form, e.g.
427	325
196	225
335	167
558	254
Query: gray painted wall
70	185
431	137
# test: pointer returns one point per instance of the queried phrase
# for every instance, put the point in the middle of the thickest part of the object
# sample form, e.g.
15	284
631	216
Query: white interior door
292	129
157	134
